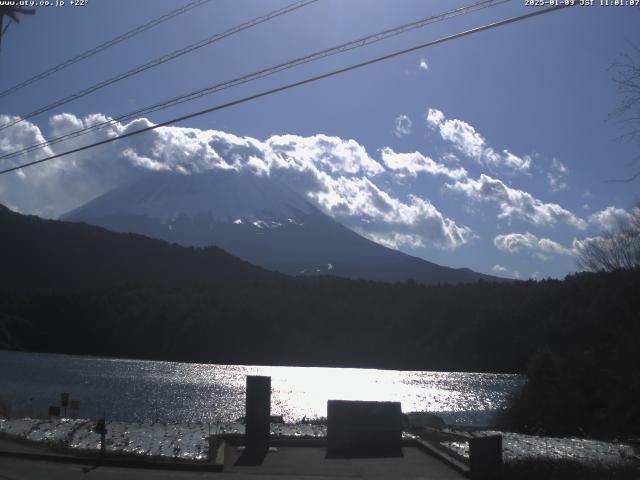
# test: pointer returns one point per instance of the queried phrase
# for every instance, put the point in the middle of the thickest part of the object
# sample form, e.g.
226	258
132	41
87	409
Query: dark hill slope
49	254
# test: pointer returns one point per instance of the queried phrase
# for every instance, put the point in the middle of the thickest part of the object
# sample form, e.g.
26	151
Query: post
258	413
74	406
101	428
103	443
485	457
64	402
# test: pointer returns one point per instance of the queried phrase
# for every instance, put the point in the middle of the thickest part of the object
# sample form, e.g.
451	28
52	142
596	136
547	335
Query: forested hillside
327	321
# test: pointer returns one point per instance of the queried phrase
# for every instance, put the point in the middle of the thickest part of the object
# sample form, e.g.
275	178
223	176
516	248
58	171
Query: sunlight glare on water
171	391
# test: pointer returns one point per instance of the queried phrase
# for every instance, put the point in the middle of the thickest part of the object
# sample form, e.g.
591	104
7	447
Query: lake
137	390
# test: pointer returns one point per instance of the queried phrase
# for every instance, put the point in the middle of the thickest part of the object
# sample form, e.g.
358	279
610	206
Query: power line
294	85
103	46
353	44
163	59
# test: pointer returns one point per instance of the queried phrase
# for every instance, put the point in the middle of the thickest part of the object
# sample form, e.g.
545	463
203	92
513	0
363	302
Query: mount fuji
258	219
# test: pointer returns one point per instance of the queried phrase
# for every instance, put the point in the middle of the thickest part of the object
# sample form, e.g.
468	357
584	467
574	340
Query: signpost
64	401
101	428
74	406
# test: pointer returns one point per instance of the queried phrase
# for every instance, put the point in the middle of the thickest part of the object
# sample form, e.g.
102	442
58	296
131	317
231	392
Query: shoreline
189	442
259	365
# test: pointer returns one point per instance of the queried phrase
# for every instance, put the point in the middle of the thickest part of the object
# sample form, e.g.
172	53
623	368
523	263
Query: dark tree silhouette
615	249
12	12
626	76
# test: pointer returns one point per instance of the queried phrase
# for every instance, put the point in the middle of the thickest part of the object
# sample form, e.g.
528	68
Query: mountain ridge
55	254
259	220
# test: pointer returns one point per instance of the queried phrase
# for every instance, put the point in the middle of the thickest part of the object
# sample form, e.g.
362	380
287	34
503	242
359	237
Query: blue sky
540	89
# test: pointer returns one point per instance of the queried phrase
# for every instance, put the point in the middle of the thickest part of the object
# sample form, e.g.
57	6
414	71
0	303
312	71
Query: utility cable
103	46
294	85
160	60
358	43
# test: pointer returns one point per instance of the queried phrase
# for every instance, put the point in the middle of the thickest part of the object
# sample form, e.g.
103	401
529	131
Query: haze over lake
140	389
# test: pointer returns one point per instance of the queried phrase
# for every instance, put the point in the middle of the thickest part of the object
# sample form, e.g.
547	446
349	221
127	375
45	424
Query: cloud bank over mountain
376	193
338	175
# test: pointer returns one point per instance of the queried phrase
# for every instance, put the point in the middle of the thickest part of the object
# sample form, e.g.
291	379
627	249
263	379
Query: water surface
138	390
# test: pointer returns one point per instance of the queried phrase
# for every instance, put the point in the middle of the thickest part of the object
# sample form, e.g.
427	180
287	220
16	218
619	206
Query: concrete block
485	457
258	413
359	429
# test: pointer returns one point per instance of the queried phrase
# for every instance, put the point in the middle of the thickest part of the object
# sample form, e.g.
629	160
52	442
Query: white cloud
516	242
393	240
542	256
414	163
504	271
619	241
581	245
470	143
403	126
556	184
54	187
549	246
449	157
610	218
332	155
374	213
337	174
558	166
423	65
556	176
514	203
434	117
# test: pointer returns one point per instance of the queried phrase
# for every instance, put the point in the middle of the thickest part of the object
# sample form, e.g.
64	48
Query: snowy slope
222	195
257	219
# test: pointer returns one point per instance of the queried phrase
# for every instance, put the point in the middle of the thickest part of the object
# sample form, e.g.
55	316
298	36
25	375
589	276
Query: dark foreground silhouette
578	338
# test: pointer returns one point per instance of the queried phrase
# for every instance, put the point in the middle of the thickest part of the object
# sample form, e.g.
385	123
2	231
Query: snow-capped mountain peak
258	219
224	196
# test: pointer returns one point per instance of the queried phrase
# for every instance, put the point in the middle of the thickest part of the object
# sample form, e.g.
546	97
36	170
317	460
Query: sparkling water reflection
135	390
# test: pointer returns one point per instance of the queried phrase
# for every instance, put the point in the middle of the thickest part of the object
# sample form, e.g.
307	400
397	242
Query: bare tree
12	11
619	247
626	76
615	249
